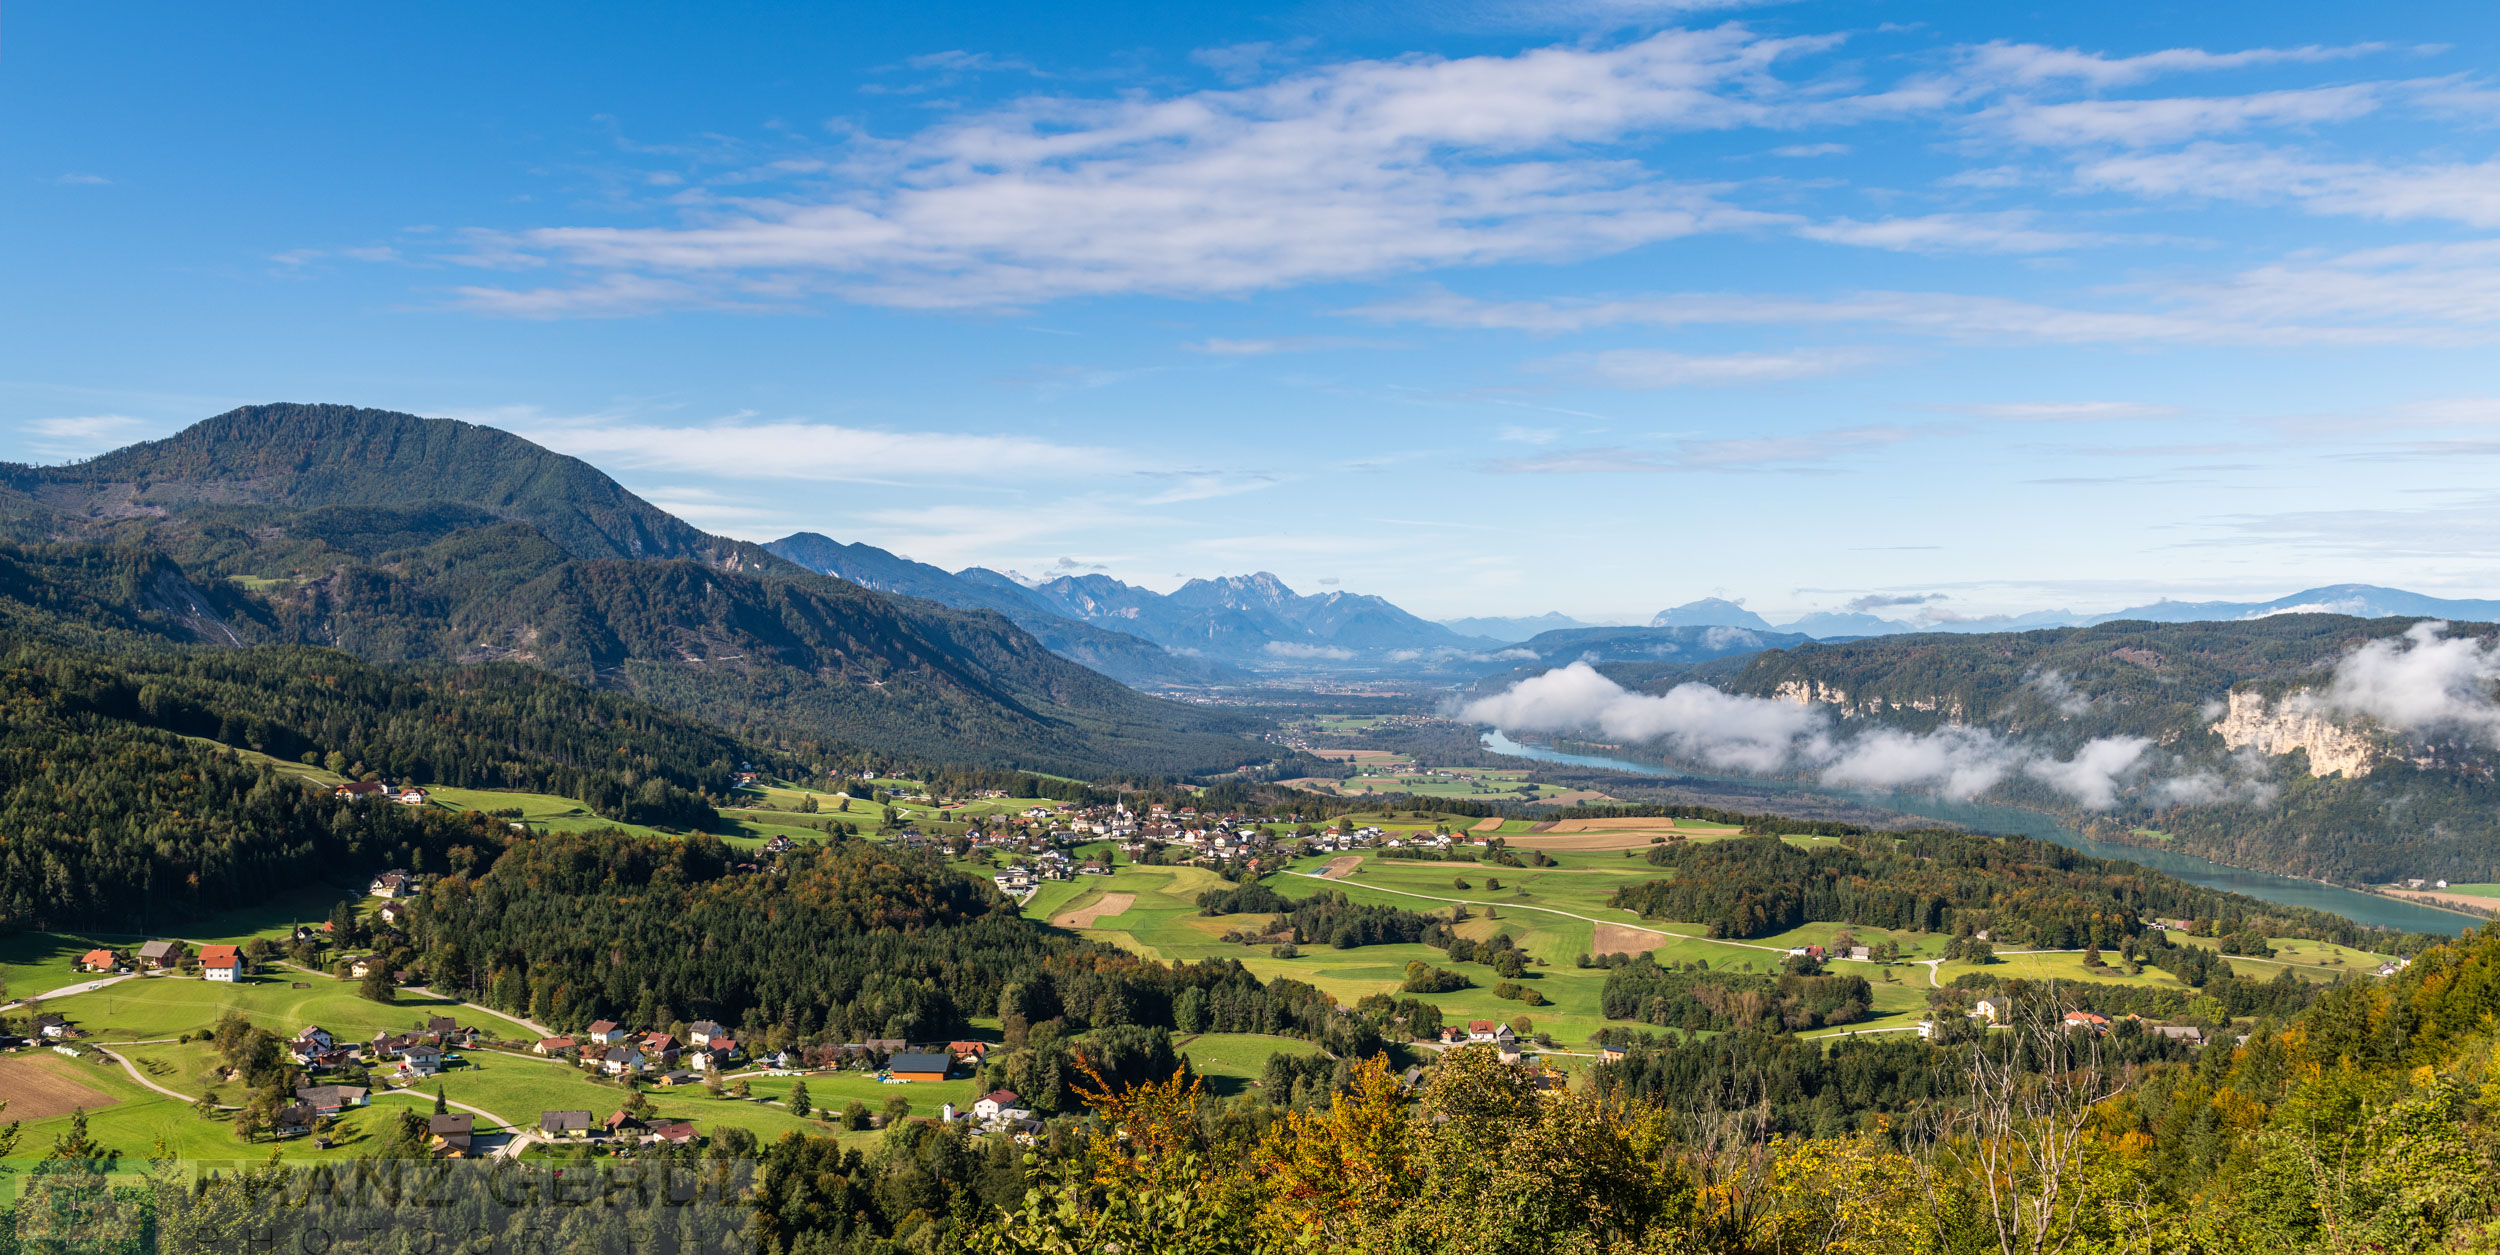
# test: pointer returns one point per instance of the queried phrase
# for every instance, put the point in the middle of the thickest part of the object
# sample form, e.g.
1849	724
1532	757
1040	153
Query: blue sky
1598	306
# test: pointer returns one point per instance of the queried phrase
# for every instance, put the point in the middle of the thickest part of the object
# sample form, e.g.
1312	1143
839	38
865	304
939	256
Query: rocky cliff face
1818	693
2297	723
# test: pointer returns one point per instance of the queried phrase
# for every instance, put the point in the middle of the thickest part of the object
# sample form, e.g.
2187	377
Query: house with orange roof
221	963
98	961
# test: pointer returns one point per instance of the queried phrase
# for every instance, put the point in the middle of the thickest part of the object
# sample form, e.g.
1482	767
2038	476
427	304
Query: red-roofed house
98	961
221	963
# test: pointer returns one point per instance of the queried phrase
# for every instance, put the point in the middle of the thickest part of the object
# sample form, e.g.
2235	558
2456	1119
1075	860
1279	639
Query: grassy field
149	1008
1473	782
137	1120
2321	961
2062	967
1553	914
1233	1062
2473	891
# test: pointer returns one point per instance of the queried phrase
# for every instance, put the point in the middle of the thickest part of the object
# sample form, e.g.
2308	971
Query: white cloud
2437	294
1299	649
2426	682
1659	368
817	451
2027	64
1743	733
1810	451
2009	232
82	435
2467	193
1221	347
2066	411
1346	171
2140	123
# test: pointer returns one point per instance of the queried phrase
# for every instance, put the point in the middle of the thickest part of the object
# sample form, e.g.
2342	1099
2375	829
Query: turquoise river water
2367	908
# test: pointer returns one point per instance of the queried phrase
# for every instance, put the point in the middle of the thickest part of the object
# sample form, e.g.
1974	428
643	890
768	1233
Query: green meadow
1551	913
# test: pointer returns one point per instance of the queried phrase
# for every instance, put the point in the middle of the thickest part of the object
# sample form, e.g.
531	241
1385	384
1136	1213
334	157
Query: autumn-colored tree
1327	1177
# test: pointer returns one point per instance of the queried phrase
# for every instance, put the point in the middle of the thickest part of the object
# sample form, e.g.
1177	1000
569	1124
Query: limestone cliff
2298	722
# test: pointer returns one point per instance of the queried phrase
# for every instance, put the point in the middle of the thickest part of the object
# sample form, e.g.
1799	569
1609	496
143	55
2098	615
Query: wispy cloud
2066	411
2467	193
82	435
2012	231
1812	452
1346	171
1660	368
1221	347
2031	64
817	451
2440	294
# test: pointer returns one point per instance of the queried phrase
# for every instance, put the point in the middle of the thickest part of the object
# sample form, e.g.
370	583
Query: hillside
127	799
401	538
2255	757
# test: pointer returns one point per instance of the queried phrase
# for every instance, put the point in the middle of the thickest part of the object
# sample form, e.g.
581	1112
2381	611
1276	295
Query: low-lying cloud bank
1737	732
2423	684
2426	683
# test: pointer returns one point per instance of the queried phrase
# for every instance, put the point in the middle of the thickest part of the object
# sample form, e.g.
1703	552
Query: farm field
1472	782
148	1008
1554	914
2061	966
2321	961
1233	1062
137	1119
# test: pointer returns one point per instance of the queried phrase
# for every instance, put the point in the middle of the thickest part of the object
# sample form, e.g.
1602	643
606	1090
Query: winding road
519	1141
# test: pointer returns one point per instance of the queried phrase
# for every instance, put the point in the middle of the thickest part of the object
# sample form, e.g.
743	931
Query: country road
520	1139
65	991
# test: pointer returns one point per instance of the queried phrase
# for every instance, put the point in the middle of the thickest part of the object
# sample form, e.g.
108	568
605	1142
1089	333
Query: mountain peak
1710	612
307	456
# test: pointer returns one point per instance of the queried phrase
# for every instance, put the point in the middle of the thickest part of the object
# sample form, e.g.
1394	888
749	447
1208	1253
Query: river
2367	908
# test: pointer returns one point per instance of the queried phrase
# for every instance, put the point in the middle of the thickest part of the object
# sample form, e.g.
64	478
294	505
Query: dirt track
1340	868
1084	917
38	1088
1585	840
1625	939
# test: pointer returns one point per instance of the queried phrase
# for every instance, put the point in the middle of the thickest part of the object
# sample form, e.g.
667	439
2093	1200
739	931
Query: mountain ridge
400	538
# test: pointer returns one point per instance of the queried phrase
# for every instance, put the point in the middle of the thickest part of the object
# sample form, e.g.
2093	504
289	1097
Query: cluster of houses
376	791
620	1126
616	1051
224	963
404	1057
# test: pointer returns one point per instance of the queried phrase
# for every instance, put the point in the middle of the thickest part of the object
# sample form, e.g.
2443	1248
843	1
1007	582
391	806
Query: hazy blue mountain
1710	612
1687	644
1515	629
1125	657
2361	601
1247	617
1827	624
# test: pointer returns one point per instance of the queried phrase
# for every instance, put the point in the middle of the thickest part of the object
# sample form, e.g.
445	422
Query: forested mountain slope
109	816
396	538
2294	743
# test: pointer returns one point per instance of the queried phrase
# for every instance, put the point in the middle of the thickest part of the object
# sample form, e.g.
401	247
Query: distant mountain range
1205	629
2361	601
1518	629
